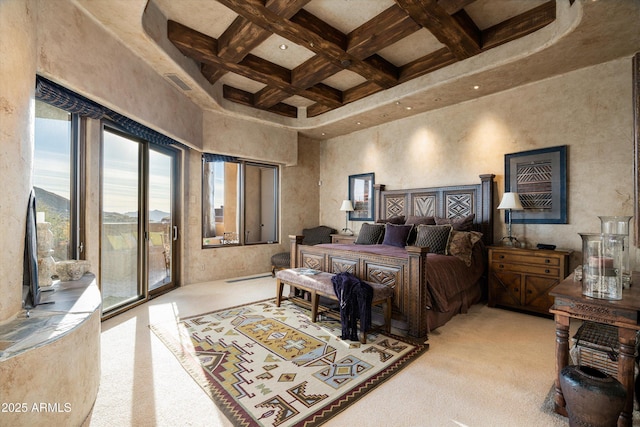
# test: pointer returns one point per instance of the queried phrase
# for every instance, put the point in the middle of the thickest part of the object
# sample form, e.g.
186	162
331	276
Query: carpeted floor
490	367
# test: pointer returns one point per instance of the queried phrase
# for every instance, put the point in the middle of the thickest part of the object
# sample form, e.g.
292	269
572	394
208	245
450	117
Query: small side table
343	238
569	303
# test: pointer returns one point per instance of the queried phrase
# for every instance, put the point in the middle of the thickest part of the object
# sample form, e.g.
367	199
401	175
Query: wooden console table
571	304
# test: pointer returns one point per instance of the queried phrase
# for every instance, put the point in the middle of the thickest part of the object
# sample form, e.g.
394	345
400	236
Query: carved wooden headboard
457	201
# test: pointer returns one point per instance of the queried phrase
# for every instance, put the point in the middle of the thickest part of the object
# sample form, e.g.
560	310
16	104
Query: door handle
175	232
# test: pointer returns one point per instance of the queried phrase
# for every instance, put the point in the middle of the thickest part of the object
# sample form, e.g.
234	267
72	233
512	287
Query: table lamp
510	202
346	207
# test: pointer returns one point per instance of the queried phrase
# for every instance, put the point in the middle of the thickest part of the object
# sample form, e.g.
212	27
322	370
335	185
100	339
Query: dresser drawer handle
547	261
501	266
501	256
547	271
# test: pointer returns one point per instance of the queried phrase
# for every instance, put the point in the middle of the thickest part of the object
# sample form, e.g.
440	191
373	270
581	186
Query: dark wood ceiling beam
240	38
243	36
316	25
388	27
361	91
520	25
350	95
317	109
258	14
312	71
383	30
200	47
246	98
314	65
270	96
211	72
462	41
428	63
264	71
453	6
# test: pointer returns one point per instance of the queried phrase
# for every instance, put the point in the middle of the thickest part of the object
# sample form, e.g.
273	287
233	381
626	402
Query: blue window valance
60	97
208	157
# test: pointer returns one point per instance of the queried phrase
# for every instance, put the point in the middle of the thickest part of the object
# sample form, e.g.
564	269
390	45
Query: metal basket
597	345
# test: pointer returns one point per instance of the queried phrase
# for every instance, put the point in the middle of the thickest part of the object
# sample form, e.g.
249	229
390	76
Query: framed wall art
362	196
540	178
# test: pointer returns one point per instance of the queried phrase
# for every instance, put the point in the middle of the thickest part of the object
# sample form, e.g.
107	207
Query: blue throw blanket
355	297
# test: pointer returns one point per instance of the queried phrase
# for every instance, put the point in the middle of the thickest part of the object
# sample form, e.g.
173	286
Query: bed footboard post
416	293
295	240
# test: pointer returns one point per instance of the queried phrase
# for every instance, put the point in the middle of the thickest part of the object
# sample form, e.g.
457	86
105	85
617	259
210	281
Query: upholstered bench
320	285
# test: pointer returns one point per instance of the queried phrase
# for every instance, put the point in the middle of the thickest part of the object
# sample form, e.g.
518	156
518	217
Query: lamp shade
346	206
511	201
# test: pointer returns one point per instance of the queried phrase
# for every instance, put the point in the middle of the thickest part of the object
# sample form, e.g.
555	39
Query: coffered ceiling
290	56
329	67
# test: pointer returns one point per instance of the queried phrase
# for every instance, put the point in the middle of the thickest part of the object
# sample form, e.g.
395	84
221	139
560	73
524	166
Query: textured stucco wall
589	110
79	54
17	68
236	137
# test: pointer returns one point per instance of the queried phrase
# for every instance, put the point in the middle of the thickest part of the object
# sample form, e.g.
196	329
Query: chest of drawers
522	278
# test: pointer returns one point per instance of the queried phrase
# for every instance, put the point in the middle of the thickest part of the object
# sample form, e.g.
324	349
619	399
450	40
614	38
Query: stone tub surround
50	361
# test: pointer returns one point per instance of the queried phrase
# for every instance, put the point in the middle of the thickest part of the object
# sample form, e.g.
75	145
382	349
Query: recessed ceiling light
436	99
397	102
283	47
358	123
323	134
476	87
408	108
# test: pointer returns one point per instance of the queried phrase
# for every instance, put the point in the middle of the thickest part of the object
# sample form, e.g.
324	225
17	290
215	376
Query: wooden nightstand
343	238
522	278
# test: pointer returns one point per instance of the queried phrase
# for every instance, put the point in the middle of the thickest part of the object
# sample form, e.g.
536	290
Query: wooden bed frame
407	275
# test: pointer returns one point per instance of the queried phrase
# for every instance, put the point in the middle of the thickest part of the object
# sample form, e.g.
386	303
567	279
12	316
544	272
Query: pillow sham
392	220
461	243
396	235
417	220
435	237
370	234
458	224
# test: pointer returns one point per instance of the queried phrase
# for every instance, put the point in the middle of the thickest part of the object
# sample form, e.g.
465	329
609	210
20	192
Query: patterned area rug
269	366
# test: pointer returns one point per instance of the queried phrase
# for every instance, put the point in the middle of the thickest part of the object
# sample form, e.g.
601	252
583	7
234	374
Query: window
56	177
138	220
239	203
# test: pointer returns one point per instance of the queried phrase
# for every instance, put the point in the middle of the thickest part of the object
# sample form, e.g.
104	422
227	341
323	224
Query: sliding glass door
160	219
138	222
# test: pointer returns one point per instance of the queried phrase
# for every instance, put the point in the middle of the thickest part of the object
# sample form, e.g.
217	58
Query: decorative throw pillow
396	235
461	243
392	220
370	234
417	220
435	237
459	224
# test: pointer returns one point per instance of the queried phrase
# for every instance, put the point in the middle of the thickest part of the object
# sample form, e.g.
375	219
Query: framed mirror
362	196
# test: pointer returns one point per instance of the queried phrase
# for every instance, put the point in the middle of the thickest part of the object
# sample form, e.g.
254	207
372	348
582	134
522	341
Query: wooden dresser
522	278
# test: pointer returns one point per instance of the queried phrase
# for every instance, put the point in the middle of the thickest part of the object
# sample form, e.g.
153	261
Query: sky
120	169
